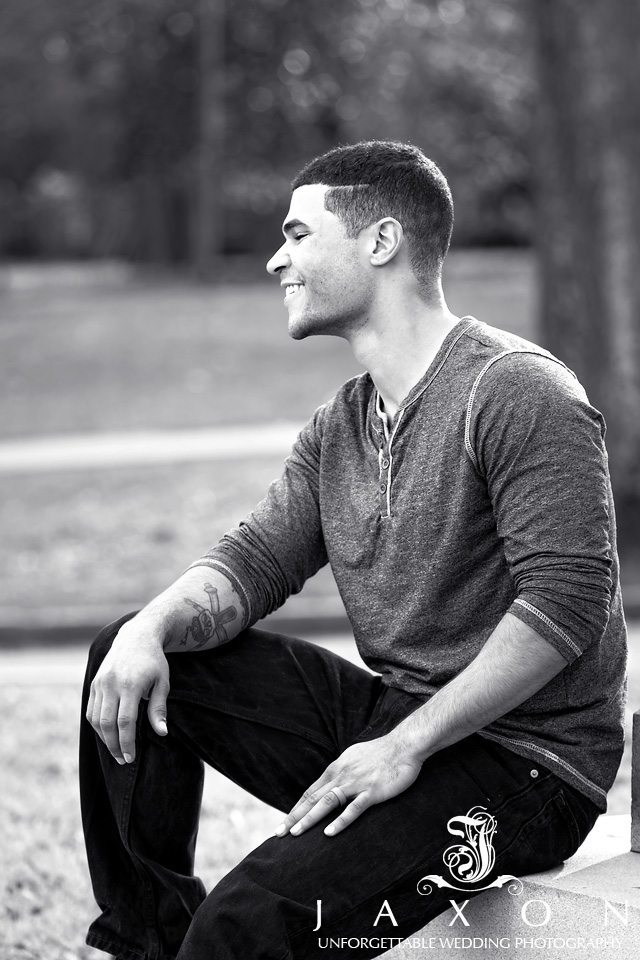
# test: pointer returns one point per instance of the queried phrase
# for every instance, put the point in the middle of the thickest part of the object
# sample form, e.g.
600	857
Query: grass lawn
117	537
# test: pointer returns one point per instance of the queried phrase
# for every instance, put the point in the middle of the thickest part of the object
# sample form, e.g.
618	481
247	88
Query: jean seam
117	946
149	900
526	789
268	722
573	824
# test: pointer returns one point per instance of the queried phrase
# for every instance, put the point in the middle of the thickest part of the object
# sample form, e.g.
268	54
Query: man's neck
398	344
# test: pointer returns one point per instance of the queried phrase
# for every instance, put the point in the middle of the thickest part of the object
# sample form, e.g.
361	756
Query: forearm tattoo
208	624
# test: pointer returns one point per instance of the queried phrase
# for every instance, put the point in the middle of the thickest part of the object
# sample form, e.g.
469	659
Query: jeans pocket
548	838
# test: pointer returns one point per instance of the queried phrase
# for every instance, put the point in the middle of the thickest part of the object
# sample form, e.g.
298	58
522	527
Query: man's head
378	178
353	210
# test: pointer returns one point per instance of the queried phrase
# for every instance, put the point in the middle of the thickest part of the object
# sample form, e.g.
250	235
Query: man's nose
278	261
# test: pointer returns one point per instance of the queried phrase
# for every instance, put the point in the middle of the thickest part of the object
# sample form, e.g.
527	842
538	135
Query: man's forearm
514	664
200	610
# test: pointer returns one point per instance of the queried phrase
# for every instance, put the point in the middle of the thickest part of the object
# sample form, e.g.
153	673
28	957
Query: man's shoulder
490	342
506	362
348	405
354	393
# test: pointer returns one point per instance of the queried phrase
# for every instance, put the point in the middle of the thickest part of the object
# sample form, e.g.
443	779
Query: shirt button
385	464
383	488
534	773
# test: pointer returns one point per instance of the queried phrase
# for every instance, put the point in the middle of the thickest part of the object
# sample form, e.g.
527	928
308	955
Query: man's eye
299	236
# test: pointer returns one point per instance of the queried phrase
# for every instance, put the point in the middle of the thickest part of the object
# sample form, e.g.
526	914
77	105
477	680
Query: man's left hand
365	774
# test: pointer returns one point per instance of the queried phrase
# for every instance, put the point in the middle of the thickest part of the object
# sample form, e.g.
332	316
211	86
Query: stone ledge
574	897
635	784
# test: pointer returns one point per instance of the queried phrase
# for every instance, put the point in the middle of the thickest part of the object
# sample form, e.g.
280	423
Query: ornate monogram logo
471	861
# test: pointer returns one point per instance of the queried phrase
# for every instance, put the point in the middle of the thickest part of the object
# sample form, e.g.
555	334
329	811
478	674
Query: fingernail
120	761
281	830
296	829
163	726
128	757
330	831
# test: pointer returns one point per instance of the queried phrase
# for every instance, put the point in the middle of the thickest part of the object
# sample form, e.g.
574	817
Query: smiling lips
291	288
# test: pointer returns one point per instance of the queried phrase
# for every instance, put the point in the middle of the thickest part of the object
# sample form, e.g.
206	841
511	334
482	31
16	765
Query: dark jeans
271	713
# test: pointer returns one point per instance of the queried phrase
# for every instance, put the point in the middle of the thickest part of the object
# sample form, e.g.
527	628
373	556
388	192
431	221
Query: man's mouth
290	289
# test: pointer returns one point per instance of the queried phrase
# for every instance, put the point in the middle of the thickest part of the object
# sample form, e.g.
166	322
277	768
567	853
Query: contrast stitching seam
474	389
391	438
472	396
466	324
548	755
552	626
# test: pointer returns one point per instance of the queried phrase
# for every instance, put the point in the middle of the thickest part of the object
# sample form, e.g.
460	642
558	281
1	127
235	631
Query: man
460	491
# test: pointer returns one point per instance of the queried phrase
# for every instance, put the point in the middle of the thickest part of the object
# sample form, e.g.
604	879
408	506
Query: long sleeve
280	544
539	445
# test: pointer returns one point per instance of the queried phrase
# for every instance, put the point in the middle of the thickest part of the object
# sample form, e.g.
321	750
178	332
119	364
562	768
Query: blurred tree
587	154
207	211
126	96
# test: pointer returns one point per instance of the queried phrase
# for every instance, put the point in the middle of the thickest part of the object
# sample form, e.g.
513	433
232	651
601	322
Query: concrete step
586	909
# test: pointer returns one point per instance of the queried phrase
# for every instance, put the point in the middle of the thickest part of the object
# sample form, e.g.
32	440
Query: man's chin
302	327
299	333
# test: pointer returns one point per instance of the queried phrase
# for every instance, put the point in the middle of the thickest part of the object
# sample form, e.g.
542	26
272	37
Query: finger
91	707
327	803
109	727
94	719
308	799
350	813
157	709
127	716
90	703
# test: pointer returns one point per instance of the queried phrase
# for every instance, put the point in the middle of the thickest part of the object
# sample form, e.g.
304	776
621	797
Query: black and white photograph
319	479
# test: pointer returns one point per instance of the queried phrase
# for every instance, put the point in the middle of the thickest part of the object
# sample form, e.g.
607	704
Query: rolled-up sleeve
280	544
539	444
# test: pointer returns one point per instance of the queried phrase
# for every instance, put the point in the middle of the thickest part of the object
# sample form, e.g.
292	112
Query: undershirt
488	493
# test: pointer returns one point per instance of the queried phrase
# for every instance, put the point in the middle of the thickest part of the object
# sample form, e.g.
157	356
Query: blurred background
149	388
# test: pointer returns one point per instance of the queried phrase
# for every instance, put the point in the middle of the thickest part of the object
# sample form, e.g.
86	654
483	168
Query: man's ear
387	237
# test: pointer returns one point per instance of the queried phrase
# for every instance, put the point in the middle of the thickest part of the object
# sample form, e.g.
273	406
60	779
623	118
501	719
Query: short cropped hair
383	178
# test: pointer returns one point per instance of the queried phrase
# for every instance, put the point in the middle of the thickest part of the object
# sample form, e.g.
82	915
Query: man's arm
514	664
249	573
201	610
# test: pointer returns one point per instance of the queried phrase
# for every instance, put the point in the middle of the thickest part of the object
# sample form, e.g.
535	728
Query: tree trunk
587	161
207	212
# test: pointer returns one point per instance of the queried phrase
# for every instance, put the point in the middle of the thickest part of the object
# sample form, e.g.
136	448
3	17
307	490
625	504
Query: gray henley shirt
488	494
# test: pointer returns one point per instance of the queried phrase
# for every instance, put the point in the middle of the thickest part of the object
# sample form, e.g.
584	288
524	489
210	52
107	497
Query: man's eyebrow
292	224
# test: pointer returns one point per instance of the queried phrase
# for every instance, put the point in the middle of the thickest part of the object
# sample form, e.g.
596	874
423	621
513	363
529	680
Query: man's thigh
268	711
384	854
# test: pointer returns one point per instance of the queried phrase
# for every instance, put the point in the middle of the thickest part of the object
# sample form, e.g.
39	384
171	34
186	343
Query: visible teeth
292	287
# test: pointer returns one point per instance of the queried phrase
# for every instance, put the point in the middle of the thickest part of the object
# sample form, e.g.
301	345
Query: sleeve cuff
539	621
231	576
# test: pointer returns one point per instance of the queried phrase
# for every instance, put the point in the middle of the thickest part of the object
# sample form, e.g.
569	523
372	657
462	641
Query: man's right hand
134	669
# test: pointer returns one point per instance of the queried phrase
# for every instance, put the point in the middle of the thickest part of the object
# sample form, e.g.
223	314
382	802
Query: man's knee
244	916
102	644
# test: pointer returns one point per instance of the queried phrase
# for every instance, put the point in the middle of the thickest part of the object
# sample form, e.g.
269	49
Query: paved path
99	450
